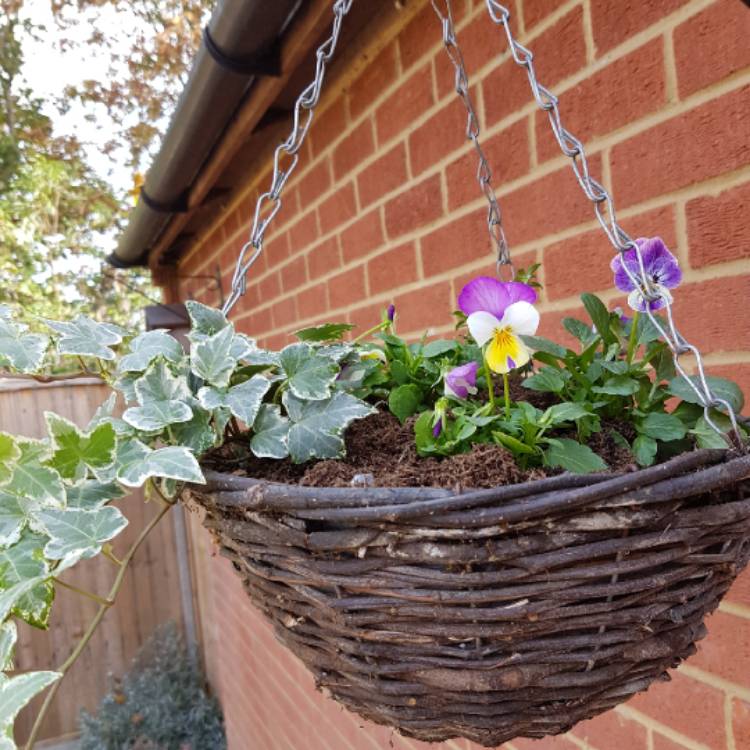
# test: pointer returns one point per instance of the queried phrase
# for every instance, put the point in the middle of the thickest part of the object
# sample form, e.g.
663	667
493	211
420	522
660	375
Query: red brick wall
384	208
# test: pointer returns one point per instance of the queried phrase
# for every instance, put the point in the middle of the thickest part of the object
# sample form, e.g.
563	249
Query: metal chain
621	241
484	173
303	114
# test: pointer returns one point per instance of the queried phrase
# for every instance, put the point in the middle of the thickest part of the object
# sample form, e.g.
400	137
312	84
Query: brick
313	301
269	287
414	208
284	311
614	21
393	268
547	205
717	228
741	723
402	108
700	144
327	127
624	91
535	11
505	90
380	74
664	743
353	150
548	743
294	274
364	318
385	174
550	326
711	45
346	288
442	133
303	233
694	709
315	182
423	33
428	307
739	593
338	209
462	241
561	50
610	730
323	258
507	154
726	650
362	237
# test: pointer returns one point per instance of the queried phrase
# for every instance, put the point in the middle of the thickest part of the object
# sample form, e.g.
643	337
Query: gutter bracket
178	206
265	64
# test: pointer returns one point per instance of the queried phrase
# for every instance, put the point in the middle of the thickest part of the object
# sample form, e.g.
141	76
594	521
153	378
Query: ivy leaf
644	450
13	518
86	337
162	397
211	359
547	380
262	358
599	315
20	562
242	347
76	451
620	385
663	427
317	426
75	531
137	462
404	401
93	494
271	433
572	456
8	636
17	692
32	481
206	321
9	455
22	351
327	332
243	400
9	597
197	434
126	385
564	412
144	349
310	374
721	388
540	344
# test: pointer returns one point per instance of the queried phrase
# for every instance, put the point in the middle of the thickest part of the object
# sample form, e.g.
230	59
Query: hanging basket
490	614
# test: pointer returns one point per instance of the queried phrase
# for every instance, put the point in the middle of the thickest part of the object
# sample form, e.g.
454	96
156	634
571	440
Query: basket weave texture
490	614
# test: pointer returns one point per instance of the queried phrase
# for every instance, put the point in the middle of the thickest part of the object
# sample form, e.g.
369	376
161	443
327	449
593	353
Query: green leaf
206	321
270	433
242	347
317	426
10	453
617	367
706	436
144	349
13	518
310	374
540	344
75	451
438	347
242	400
620	385
19	350
572	456
404	401
564	412
9	597
599	315
512	443
326	332
578	329
647	331
662	427
8	636
162	397
547	380
197	433
75	531
211	359
31	480
92	494
20	562
137	462
17	692
644	450
86	337
721	387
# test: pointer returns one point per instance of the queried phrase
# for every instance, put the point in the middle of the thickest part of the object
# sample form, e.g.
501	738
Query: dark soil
382	447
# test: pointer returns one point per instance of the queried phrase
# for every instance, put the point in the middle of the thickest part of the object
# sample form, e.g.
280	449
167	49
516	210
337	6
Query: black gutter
239	44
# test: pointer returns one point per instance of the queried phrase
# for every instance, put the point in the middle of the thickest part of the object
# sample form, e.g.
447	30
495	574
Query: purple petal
622	280
462	380
484	294
511	364
437	429
391	312
520	292
660	264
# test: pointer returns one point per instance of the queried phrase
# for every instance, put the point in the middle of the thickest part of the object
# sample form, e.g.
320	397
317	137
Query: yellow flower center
506	351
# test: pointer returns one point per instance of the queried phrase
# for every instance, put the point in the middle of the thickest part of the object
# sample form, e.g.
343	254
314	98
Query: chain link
620	240
484	173
287	151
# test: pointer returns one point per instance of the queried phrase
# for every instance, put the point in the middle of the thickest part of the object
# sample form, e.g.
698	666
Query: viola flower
661	267
499	313
461	381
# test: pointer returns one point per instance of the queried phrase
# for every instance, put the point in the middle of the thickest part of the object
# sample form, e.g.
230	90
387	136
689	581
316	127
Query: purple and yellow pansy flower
498	314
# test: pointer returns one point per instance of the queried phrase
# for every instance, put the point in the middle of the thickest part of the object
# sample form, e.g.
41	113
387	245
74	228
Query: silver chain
303	114
484	173
621	241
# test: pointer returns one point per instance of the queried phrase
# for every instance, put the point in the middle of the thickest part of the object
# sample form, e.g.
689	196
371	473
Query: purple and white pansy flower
461	381
662	269
498	314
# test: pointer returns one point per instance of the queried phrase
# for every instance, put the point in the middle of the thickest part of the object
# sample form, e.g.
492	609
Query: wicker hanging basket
490	614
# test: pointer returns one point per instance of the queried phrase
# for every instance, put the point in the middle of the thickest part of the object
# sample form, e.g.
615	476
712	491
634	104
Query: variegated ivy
58	495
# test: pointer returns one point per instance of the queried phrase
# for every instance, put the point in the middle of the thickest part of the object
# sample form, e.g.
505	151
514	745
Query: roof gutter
239	44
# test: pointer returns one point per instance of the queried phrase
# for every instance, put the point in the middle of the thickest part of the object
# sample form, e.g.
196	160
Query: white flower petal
522	318
482	325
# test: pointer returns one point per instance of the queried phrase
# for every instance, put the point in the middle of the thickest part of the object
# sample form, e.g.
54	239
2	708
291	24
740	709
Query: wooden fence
150	594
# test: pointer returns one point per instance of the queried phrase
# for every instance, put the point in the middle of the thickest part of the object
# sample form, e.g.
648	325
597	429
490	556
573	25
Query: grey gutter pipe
239	44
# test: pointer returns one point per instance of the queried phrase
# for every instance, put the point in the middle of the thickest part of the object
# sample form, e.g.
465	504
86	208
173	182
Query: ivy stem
506	392
64	668
111	557
369	332
88	594
633	339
